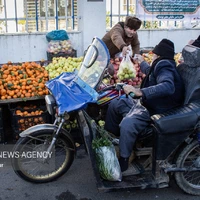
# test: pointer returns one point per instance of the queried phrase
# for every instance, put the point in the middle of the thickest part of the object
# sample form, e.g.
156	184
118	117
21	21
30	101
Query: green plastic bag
57	35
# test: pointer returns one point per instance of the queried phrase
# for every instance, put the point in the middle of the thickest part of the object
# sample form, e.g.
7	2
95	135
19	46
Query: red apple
136	65
134	83
112	81
116	67
117	62
143	75
116	59
140	73
130	82
117	80
115	76
135	79
111	61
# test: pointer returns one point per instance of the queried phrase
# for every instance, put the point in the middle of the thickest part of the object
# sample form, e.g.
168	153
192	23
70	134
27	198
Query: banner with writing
168	9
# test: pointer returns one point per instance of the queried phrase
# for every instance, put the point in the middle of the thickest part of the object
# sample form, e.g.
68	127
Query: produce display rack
21	123
16	100
8	129
43	63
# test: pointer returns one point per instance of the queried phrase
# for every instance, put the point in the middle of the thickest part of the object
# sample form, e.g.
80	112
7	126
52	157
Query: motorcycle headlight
50	104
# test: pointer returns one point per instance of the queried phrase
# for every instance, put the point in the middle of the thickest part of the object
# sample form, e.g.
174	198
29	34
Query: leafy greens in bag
106	159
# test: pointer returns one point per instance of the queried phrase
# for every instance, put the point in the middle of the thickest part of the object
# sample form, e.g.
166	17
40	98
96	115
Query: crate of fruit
23	81
25	117
70	53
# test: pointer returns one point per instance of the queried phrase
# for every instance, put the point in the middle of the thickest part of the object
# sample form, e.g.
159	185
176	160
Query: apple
134	83
116	67
101	123
117	62
62	64
116	59
111	61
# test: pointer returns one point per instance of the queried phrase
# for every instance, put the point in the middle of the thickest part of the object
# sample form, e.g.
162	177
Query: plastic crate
50	56
22	122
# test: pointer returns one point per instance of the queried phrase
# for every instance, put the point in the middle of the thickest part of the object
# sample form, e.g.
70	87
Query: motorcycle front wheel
189	181
32	161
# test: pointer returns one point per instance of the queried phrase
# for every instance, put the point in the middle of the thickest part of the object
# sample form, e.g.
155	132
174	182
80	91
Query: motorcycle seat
178	120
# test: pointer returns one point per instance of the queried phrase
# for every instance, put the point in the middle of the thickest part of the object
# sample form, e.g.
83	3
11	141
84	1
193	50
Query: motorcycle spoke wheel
189	181
34	167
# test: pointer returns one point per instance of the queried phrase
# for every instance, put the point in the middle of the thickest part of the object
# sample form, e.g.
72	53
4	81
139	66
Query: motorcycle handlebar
132	94
118	87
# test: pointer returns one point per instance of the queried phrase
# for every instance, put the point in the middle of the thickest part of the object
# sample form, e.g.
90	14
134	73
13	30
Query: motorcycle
169	146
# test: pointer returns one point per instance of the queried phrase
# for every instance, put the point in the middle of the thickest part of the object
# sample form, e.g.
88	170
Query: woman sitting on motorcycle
161	90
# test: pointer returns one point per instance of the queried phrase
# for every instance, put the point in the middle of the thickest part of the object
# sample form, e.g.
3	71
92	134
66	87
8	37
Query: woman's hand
129	88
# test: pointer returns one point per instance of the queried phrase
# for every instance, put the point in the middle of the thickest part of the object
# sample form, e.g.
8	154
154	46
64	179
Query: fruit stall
136	79
22	88
22	92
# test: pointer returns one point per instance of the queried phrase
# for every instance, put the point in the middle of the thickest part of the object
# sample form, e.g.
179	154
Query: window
1	6
129	5
38	15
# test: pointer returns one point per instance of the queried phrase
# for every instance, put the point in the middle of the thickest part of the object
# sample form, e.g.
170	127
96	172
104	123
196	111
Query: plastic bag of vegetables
106	159
126	69
59	46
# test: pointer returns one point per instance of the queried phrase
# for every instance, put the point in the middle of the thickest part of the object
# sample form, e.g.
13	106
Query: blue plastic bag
70	92
57	35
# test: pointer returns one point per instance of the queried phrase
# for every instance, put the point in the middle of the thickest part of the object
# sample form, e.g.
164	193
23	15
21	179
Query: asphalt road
78	184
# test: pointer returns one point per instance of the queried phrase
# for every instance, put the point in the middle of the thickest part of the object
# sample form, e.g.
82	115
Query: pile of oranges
22	81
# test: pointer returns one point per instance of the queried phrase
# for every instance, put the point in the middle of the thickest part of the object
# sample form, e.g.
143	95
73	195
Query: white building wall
180	37
32	47
92	20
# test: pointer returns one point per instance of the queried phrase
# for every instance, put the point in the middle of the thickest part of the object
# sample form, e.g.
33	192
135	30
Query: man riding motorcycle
161	90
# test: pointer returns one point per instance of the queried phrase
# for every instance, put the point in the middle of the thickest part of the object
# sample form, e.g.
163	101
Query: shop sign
168	9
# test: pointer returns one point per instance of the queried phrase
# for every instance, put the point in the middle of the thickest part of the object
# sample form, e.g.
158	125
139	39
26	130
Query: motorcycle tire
189	182
35	168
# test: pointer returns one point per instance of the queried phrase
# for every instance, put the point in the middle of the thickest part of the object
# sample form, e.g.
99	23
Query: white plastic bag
59	46
108	163
126	69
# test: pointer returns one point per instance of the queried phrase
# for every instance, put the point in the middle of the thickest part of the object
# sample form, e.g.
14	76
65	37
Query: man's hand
138	58
129	88
125	50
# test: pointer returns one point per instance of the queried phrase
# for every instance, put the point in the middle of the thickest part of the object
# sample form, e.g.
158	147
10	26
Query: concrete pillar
92	21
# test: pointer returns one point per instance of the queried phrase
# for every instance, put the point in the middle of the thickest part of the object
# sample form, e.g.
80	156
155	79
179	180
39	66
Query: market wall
92	22
32	47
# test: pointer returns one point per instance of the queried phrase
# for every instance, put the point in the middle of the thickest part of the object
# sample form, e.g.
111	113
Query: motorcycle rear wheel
189	182
36	169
